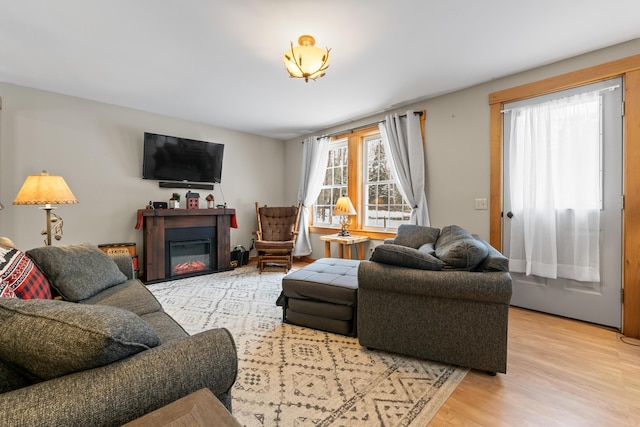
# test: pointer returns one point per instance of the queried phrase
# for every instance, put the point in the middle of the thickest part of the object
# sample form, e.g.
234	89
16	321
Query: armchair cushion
51	338
77	272
414	236
404	256
459	249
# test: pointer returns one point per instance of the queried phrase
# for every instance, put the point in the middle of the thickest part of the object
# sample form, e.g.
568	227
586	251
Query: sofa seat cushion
131	295
414	236
77	272
20	277
404	256
51	338
459	249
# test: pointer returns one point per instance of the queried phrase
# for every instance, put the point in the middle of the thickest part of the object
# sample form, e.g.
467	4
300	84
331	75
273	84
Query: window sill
372	234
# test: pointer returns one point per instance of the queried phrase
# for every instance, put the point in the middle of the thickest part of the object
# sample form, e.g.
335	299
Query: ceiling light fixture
306	61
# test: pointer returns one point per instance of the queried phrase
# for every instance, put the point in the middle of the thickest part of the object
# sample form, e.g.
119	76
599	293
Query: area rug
294	376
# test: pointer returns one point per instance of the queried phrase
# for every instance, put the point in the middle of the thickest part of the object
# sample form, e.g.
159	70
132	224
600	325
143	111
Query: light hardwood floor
560	372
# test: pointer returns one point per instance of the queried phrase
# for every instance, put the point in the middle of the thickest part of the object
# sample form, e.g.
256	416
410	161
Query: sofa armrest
125	264
493	287
120	392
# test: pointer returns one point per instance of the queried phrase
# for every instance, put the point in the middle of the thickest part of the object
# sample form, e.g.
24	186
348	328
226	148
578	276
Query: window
357	166
334	184
384	205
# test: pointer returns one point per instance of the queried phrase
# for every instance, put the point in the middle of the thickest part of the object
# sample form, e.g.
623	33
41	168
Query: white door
592	301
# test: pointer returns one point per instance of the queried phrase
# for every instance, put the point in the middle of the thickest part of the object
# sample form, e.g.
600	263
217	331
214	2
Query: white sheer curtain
402	141
314	158
554	172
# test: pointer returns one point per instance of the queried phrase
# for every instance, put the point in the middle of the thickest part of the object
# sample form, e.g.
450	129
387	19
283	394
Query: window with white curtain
334	185
555	172
385	207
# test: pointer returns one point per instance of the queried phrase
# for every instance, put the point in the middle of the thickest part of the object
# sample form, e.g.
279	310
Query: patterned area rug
294	376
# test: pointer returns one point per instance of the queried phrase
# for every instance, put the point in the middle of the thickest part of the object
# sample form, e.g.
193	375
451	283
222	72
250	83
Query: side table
200	408
344	245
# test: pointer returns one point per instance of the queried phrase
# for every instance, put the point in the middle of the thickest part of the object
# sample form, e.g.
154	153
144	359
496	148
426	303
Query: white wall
97	148
457	143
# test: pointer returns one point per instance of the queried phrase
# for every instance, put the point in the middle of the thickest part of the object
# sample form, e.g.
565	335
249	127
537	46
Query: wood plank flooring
560	372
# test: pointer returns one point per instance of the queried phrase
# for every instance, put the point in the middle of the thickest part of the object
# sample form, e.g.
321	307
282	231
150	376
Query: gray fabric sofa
436	294
103	354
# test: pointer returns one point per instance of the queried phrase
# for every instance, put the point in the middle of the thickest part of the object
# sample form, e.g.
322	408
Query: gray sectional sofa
105	353
436	294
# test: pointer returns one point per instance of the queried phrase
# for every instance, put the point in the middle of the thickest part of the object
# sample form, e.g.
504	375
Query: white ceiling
220	61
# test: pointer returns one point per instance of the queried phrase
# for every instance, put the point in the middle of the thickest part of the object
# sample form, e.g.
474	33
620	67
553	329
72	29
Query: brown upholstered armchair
276	235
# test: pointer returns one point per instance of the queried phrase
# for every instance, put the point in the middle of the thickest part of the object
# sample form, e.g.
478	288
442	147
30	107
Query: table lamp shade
344	207
44	189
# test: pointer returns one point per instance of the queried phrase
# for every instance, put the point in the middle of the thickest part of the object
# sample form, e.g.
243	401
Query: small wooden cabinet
157	222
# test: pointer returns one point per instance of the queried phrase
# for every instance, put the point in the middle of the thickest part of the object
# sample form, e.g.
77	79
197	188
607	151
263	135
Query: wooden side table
344	245
200	408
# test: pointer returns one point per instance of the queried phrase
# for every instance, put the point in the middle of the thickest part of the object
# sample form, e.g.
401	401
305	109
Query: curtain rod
329	135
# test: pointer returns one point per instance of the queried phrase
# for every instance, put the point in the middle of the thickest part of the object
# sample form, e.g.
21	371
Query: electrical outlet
480	204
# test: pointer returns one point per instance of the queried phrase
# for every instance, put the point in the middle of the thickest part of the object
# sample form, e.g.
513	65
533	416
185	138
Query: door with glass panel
562	222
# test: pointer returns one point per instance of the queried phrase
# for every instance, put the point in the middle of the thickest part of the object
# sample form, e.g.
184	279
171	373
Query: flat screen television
172	158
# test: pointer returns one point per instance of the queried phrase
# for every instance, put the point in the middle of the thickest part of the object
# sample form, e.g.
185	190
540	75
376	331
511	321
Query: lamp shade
344	207
306	61
44	189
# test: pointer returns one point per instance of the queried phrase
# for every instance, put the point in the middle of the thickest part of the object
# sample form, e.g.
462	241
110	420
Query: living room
97	147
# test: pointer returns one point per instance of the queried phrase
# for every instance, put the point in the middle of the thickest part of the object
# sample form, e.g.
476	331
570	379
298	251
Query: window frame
355	186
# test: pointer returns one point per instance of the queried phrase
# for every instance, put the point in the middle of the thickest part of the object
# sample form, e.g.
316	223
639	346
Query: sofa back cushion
77	272
495	260
51	338
459	249
414	236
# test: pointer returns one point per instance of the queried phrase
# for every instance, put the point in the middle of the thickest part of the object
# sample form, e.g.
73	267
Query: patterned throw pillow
20	277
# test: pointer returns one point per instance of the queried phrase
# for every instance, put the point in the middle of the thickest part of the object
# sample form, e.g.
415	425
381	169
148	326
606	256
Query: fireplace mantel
156	221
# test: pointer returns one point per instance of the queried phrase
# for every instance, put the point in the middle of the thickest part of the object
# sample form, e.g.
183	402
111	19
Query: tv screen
180	159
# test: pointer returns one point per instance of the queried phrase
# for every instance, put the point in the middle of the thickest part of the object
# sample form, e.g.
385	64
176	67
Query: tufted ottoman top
332	280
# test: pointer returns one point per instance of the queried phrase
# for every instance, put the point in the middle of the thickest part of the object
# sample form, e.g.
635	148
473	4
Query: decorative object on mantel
306	61
210	201
45	189
193	200
345	209
174	201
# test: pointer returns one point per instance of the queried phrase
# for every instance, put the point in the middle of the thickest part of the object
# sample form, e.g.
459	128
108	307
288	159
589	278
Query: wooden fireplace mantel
156	221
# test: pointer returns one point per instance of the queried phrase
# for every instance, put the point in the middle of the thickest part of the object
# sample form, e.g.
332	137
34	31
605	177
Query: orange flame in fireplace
189	267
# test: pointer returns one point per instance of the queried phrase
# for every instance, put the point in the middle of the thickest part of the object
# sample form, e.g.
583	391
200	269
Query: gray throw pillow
51	338
405	257
414	236
77	272
495	261
459	249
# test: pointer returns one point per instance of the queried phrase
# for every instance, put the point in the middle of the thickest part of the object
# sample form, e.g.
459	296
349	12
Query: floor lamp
45	189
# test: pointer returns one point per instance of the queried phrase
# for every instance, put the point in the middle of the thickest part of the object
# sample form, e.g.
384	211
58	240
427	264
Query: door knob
510	214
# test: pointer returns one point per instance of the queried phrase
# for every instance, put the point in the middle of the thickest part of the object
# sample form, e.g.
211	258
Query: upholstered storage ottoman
323	295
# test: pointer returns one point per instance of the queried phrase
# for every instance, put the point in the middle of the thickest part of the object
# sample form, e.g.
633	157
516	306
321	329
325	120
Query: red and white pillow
20	277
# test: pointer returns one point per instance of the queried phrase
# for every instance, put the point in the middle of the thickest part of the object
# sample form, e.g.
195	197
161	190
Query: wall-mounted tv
172	158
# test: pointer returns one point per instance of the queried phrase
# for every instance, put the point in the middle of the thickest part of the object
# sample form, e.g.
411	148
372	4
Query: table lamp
345	209
45	189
